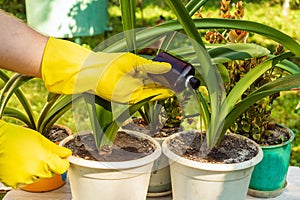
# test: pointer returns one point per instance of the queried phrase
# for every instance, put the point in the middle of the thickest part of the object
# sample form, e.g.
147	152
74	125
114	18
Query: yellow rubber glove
68	68
26	155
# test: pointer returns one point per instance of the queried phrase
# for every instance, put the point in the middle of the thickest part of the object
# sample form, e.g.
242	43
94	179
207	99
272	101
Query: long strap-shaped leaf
45	109
16	114
97	124
289	66
204	108
194	5
11	87
209	73
255	27
238	51
60	107
191	7
211	23
185	20
128	20
249	78
4	76
112	129
282	84
106	133
30	122
224	52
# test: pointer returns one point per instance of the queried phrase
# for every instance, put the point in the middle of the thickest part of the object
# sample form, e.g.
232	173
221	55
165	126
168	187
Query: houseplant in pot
220	107
158	119
112	157
217	110
179	165
53	109
163	185
269	176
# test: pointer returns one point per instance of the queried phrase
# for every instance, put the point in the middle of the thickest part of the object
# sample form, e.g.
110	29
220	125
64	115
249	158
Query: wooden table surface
291	192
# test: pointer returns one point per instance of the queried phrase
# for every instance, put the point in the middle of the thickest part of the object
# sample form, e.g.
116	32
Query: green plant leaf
128	20
238	51
224	53
60	106
212	23
255	27
204	108
249	78
209	73
185	20
98	132
12	86
289	67
224	73
4	76
194	5
112	129
166	42
283	84
51	98
144	111
17	114
104	116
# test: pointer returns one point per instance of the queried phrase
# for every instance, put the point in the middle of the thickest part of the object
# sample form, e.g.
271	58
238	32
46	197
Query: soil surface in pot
57	133
125	147
138	124
231	149
275	135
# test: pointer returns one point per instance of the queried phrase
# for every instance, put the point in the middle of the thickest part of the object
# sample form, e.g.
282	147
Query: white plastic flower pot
94	180
192	180
160	180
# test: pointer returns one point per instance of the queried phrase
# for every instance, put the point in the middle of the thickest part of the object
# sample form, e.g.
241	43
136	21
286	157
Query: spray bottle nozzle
180	77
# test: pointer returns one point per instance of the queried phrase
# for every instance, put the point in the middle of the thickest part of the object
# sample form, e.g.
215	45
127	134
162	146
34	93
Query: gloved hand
26	155
68	68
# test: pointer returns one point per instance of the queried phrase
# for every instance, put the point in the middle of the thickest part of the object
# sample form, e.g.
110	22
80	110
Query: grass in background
286	112
266	12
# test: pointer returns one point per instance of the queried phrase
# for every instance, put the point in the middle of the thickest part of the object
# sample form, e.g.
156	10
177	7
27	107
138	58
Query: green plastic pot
67	19
269	176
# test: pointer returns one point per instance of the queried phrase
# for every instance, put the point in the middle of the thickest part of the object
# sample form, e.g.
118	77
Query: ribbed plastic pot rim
117	165
282	144
211	166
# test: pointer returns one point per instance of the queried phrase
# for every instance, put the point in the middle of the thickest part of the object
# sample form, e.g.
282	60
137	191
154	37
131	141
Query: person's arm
68	68
21	48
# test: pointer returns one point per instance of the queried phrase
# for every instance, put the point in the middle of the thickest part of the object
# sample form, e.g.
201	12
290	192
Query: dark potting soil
57	133
125	147
231	149
275	134
138	124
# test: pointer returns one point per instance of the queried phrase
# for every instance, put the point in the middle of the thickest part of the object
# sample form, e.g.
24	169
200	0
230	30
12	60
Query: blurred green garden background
285	109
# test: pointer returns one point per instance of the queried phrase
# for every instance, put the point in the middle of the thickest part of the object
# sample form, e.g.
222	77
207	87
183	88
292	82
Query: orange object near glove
68	68
26	155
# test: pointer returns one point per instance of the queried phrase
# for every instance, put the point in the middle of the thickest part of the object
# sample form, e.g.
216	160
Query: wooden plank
291	192
62	193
